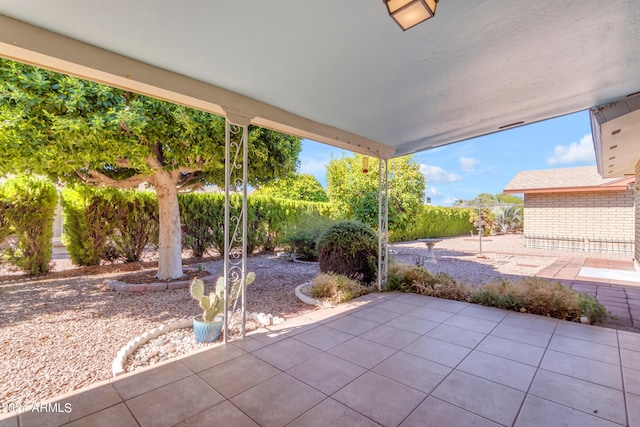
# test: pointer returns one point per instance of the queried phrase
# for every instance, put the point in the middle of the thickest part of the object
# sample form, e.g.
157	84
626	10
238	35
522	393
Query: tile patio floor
384	359
622	298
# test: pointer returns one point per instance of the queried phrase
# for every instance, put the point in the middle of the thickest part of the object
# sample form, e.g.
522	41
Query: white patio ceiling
342	72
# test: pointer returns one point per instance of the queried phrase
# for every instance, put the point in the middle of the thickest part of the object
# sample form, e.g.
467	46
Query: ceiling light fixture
409	13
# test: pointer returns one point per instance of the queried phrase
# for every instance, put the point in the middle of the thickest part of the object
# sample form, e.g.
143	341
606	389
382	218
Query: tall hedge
202	217
29	207
108	224
435	221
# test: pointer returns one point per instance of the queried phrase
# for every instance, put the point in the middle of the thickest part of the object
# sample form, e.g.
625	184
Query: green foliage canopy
302	187
354	194
66	127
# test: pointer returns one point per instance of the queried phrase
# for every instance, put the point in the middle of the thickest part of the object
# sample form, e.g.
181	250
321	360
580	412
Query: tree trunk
170	238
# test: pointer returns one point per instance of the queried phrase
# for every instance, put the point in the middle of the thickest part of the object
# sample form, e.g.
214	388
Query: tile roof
584	178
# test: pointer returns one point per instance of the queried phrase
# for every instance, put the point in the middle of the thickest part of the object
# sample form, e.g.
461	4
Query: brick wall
637	217
600	215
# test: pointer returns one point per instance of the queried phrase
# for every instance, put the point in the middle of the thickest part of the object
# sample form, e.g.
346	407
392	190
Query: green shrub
87	224
412	278
108	224
434	221
349	248
540	296
29	208
5	228
202	218
196	213
335	288
135	222
301	237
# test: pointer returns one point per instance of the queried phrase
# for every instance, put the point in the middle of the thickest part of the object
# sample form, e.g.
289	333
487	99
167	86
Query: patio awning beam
26	43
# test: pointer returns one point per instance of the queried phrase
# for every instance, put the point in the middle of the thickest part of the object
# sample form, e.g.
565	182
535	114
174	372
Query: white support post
383	222
235	224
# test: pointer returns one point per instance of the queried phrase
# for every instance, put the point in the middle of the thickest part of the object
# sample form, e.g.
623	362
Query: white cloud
468	164
449	201
431	191
437	174
576	152
313	166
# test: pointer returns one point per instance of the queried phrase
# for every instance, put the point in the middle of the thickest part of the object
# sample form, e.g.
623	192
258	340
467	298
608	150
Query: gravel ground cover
60	334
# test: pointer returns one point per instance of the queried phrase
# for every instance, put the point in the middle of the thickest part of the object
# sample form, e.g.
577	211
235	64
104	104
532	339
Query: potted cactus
208	325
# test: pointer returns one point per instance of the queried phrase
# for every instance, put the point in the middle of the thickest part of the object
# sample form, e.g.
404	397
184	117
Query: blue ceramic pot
206	331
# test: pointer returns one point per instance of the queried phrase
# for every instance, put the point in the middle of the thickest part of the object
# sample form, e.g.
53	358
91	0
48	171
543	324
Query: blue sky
485	164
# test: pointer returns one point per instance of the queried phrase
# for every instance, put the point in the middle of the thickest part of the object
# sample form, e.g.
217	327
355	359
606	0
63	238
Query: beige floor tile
430	313
411	298
630	359
93	400
375	314
520	334
212	357
352	325
497	369
486	313
390	336
581	395
591	370
513	350
223	414
150	379
269	337
323	337
447	305
413	371
588	349
286	354
531	321
591	333
631	380
633	408
629	340
490	400
471	323
538	412
438	351
412	324
326	372
330	413
277	401
437	413
385	401
8	422
455	335
396	306
173	403
117	415
362	352
238	375
249	343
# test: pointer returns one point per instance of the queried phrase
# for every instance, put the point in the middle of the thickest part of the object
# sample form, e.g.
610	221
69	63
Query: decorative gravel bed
63	334
57	335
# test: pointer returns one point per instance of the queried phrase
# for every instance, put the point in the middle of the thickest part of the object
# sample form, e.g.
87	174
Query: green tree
72	129
353	194
304	187
486	199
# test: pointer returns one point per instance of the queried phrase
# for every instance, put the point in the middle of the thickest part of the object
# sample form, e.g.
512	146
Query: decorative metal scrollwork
383	222
235	225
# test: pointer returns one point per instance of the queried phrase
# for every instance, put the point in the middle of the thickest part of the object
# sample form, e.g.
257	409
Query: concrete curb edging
118	286
117	367
304	298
